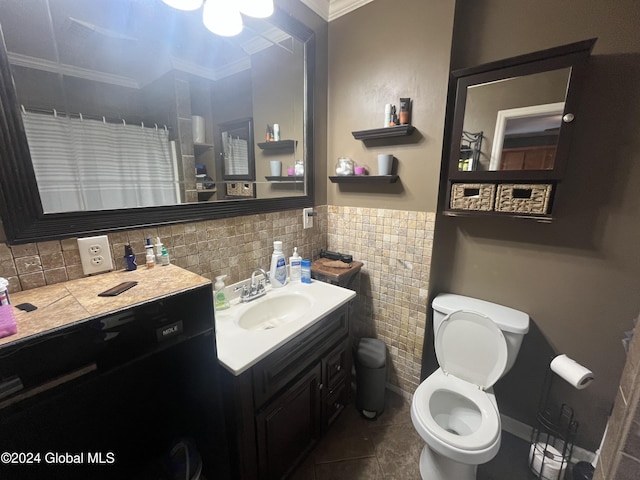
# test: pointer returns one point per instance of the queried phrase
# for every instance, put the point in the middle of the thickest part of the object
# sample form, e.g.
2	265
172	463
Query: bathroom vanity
280	399
109	387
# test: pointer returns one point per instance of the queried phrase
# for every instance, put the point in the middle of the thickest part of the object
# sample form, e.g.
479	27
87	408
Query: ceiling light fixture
186	5
256	8
222	17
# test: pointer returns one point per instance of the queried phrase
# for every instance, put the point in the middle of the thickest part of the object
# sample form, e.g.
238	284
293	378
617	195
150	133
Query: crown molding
321	7
73	71
338	8
332	9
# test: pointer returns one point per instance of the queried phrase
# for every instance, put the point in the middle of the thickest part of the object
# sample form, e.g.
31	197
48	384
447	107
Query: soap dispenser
220	299
295	267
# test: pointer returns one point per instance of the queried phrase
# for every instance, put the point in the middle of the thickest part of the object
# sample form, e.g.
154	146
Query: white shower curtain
83	164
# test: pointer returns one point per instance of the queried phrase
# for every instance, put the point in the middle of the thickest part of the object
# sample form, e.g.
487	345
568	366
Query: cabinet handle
337	405
338	367
320	386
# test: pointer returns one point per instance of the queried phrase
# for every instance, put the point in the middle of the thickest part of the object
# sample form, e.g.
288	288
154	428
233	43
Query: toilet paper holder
554	435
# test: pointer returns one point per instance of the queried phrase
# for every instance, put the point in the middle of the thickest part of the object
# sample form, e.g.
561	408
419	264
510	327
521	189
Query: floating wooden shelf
384	132
493	213
287	178
279	145
203	190
364	179
202	146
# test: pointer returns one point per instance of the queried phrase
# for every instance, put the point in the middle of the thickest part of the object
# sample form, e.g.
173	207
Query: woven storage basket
523	198
473	196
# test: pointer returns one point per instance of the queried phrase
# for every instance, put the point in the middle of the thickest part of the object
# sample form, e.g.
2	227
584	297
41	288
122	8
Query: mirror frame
573	55
20	207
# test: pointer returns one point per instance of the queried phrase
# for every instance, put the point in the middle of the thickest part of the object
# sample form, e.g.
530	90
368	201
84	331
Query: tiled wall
395	247
233	246
620	455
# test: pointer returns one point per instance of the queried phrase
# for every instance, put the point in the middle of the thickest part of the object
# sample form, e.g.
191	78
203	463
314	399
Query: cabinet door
275	372
289	426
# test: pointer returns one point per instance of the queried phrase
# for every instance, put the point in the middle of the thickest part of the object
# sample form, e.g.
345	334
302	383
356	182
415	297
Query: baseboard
524	432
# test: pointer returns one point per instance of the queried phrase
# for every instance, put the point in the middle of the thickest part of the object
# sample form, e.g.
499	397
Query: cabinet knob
338	367
568	118
320	386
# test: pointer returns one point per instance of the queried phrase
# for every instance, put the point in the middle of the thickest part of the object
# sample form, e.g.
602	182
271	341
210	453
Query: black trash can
371	376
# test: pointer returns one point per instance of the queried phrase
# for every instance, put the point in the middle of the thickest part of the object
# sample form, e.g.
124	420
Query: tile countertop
240	349
64	304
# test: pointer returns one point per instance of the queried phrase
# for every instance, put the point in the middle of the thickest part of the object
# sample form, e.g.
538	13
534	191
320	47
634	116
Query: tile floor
388	448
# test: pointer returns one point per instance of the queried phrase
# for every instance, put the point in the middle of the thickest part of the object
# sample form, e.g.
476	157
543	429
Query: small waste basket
371	374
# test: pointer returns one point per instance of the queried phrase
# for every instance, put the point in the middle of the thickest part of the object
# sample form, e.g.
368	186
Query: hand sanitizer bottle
278	271
220	301
295	266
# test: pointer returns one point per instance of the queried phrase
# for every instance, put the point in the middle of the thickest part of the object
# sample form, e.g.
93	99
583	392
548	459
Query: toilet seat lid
470	346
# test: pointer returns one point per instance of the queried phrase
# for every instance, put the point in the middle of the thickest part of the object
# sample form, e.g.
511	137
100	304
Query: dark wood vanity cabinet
510	125
278	409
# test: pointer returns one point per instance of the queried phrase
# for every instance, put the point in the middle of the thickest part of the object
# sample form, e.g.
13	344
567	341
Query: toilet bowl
454	410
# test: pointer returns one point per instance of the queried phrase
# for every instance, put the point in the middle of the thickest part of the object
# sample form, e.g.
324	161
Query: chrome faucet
256	288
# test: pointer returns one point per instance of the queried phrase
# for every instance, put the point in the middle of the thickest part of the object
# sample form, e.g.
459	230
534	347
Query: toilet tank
513	323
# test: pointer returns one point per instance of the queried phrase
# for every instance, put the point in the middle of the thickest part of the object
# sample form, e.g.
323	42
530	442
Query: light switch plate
95	254
307	218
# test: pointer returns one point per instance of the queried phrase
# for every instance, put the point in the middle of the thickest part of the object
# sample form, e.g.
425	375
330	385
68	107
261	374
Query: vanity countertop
239	349
64	304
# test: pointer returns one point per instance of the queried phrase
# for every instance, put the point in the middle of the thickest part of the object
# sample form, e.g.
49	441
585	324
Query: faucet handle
245	290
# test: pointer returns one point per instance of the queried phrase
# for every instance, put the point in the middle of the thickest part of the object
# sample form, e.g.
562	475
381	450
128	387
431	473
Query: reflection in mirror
236	140
114	94
518	120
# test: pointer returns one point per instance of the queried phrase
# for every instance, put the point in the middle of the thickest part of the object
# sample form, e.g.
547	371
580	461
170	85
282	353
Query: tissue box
7	321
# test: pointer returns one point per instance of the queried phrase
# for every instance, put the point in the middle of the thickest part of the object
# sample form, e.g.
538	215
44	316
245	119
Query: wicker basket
473	196
523	198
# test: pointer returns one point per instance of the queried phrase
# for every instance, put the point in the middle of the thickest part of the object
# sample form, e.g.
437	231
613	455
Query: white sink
248	332
273	312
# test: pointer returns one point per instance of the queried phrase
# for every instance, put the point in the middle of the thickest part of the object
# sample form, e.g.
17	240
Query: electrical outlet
95	254
307	218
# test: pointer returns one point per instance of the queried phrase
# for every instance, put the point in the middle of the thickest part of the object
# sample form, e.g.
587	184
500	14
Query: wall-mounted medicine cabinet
510	132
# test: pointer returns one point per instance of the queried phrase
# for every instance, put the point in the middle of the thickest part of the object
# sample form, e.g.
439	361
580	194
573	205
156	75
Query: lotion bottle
278	271
220	299
295	267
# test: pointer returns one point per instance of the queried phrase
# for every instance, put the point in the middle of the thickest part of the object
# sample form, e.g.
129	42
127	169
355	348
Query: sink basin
273	312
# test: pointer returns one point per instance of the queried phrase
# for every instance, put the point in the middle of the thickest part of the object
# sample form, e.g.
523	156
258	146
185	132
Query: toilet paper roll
197	127
574	373
548	459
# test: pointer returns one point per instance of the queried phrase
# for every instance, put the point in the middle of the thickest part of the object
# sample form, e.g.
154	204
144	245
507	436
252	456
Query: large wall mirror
513	118
119	113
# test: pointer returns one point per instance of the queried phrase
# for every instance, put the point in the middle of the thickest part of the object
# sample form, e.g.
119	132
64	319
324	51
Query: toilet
454	410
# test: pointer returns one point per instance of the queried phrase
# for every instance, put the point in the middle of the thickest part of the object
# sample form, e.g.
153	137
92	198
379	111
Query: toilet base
434	466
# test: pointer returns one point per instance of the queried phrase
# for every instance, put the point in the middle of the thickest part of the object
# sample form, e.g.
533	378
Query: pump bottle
295	265
220	299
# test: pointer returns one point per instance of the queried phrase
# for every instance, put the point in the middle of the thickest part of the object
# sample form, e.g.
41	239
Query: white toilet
454	410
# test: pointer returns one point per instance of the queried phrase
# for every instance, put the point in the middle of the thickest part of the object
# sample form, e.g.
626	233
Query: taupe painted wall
578	278
378	53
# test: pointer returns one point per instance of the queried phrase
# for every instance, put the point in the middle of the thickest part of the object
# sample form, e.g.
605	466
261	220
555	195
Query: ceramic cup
385	162
276	168
291	171
359	170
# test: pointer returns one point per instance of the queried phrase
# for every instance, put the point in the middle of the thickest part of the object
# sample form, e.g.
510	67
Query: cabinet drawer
337	364
336	402
283	365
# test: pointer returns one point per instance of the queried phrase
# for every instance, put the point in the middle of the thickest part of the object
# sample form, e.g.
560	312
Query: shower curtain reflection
84	164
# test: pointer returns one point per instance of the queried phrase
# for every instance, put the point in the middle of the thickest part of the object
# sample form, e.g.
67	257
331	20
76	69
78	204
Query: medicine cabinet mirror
510	132
112	113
